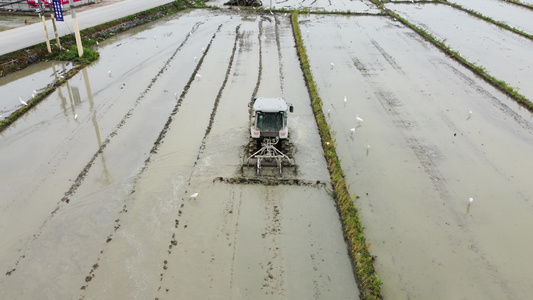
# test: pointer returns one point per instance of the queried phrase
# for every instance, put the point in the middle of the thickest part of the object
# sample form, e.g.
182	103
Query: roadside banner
58	10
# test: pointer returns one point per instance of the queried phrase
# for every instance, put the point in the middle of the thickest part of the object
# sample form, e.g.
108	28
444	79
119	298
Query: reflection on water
24	82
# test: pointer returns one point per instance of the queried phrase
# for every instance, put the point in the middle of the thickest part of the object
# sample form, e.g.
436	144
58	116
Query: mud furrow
280	55
164	131
260	68
173	241
78	181
273	278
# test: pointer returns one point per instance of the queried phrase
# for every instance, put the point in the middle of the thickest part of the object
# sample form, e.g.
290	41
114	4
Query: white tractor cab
269	118
270	132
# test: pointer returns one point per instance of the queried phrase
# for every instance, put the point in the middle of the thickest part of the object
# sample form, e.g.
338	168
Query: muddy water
427	157
53	147
126	225
511	14
232	241
503	54
9	22
360	6
23	84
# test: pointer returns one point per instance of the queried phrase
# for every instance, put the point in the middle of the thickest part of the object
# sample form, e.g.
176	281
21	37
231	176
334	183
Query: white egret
195	58
195	195
24	103
352	131
198	75
345	99
359	119
109	73
75	116
332	65
469	203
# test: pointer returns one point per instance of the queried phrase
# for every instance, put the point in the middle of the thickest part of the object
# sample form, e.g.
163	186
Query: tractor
269	134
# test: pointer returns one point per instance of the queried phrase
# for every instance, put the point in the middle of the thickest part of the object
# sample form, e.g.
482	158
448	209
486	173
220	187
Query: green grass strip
363	261
480	71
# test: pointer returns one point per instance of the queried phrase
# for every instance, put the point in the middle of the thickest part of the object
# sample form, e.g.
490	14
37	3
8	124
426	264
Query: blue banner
58	10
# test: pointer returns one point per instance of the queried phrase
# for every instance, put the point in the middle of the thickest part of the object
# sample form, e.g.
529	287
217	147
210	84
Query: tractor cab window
269	122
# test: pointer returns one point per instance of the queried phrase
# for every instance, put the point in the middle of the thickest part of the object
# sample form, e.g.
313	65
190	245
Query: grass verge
363	262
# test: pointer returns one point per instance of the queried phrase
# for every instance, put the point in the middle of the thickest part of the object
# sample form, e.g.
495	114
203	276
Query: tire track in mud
280	55
429	155
81	176
174	241
157	143
273	269
388	57
525	124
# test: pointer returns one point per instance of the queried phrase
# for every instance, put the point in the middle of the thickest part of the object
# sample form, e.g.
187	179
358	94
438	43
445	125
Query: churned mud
109	212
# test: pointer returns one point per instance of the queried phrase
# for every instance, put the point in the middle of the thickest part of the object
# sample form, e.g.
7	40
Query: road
26	36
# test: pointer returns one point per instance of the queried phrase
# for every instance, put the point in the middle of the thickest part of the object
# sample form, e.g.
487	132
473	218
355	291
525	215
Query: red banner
34	3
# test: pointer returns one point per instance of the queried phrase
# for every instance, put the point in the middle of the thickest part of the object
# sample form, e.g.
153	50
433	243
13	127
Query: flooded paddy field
511	14
359	6
504	54
97	178
433	135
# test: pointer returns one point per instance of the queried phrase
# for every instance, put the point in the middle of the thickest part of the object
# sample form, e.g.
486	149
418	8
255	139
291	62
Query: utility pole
41	14
77	32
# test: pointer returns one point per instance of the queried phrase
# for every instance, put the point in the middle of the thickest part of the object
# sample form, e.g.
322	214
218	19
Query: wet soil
114	155
479	42
97	179
511	14
419	155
